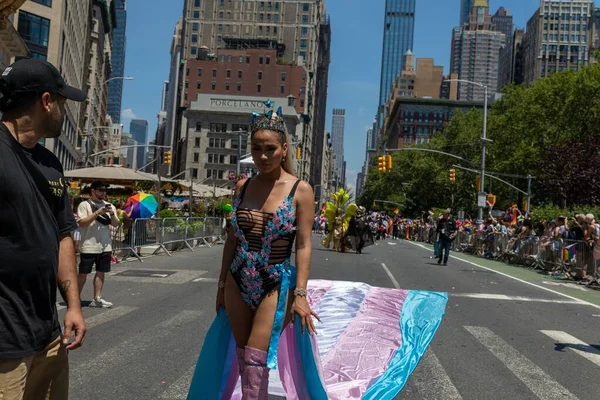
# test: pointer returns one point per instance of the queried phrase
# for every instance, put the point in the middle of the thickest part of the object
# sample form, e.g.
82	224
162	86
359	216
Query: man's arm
69	290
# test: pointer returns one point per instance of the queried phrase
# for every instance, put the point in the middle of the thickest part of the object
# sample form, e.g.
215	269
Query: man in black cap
95	216
446	228
37	253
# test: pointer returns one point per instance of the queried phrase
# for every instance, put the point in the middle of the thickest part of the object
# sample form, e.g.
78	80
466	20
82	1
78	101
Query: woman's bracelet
299	292
221	284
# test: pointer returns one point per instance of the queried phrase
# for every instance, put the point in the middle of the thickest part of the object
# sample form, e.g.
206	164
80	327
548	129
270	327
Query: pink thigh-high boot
240	358
255	380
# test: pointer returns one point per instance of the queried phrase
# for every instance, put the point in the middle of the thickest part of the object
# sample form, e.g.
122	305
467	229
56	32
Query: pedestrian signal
452	175
382	167
167	159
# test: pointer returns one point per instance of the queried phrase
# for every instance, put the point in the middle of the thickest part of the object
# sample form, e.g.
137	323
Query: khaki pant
42	376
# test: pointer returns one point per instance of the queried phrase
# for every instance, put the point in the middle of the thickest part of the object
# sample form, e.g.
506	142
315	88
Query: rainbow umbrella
144	205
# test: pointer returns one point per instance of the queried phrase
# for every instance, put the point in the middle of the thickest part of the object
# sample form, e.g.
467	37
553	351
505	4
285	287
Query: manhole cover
140	273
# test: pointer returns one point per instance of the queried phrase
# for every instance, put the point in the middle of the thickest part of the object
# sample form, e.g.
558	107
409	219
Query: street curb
580	301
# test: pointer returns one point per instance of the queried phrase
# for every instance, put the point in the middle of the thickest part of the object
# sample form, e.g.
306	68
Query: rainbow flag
569	253
396	211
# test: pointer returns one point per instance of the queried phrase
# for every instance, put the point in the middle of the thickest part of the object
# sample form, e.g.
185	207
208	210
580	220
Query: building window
268	60
282	89
305	7
276	18
34	29
303	43
187	72
247	59
196	3
241	59
303	77
197	142
195	26
229	73
233	160
227	86
260	59
274	30
199	85
194	51
304	32
214	73
302	103
239	87
240	74
44	2
305	19
194	38
213	85
196	157
195	173
198	126
260	75
196	14
303	54
221	15
199	71
258	88
229	59
283	76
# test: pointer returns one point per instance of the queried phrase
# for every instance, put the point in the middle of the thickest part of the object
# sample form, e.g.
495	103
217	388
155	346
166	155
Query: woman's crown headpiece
268	120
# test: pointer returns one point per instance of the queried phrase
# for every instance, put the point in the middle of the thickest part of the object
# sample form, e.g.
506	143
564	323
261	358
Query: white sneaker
100	303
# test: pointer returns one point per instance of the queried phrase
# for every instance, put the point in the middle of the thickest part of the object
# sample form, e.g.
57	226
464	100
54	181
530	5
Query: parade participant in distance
95	218
36	248
446	228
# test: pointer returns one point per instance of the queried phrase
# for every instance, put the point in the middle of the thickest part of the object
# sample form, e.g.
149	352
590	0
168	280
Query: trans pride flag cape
370	341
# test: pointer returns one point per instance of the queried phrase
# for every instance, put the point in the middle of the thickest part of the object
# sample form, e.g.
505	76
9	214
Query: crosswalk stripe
178	390
540	383
437	384
583	349
108	315
123	353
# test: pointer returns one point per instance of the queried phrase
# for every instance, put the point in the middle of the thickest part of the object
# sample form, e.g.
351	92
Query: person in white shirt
95	217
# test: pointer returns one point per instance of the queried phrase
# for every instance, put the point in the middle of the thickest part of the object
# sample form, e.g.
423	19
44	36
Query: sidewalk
544	281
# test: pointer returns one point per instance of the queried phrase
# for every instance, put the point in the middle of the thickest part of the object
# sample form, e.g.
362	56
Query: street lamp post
484	139
92	104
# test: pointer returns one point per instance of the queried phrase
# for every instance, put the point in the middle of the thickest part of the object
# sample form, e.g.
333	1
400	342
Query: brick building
251	72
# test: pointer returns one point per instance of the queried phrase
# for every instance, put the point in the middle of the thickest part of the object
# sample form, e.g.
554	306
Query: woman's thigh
264	318
239	314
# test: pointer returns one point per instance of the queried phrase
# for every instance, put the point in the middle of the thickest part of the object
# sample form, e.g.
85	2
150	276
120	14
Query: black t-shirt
446	227
35	211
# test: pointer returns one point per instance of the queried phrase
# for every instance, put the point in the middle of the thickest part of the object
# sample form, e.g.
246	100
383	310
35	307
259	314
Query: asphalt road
501	338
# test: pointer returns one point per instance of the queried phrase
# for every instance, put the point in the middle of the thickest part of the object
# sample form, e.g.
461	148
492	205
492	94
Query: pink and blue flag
369	343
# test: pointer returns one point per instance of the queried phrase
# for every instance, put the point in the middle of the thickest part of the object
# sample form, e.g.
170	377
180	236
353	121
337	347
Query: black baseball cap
98	184
32	75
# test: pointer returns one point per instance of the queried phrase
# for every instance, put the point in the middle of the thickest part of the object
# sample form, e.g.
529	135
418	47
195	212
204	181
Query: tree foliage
549	130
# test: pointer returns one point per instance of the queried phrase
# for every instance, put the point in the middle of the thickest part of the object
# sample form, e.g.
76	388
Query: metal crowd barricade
196	235
174	233
121	240
215	230
146	233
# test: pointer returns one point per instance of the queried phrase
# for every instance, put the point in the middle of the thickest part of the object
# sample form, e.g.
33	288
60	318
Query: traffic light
478	183
452	175
167	160
388	160
382	164
298	153
491	200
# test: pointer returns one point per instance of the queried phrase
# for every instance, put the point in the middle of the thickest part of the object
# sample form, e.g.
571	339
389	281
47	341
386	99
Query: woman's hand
220	299
302	309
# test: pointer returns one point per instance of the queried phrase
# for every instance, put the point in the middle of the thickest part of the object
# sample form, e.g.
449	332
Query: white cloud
128	114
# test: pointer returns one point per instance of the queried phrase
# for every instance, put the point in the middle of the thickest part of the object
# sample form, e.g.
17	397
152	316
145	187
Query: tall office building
475	53
337	136
559	36
503	22
11	43
63	39
398	38
119	43
138	129
465	9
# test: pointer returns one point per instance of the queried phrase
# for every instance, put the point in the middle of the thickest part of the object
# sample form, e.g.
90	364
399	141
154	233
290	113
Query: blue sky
357	33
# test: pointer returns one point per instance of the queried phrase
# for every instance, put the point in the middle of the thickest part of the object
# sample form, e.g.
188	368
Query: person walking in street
36	248
96	216
446	228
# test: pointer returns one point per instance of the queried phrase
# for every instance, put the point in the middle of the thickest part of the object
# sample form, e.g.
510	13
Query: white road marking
387	271
436	383
491	296
107	316
128	350
178	390
581	302
583	349
539	382
392	244
208	280
159	275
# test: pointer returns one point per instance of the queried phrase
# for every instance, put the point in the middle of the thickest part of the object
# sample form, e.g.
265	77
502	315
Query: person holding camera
95	217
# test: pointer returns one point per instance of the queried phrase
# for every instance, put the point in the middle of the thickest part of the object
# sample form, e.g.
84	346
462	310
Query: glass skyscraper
398	36
115	87
465	9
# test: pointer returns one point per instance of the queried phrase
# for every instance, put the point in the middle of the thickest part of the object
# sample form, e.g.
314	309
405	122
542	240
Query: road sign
481	199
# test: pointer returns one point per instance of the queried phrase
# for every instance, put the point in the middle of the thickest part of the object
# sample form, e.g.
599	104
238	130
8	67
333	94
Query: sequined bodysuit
264	248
